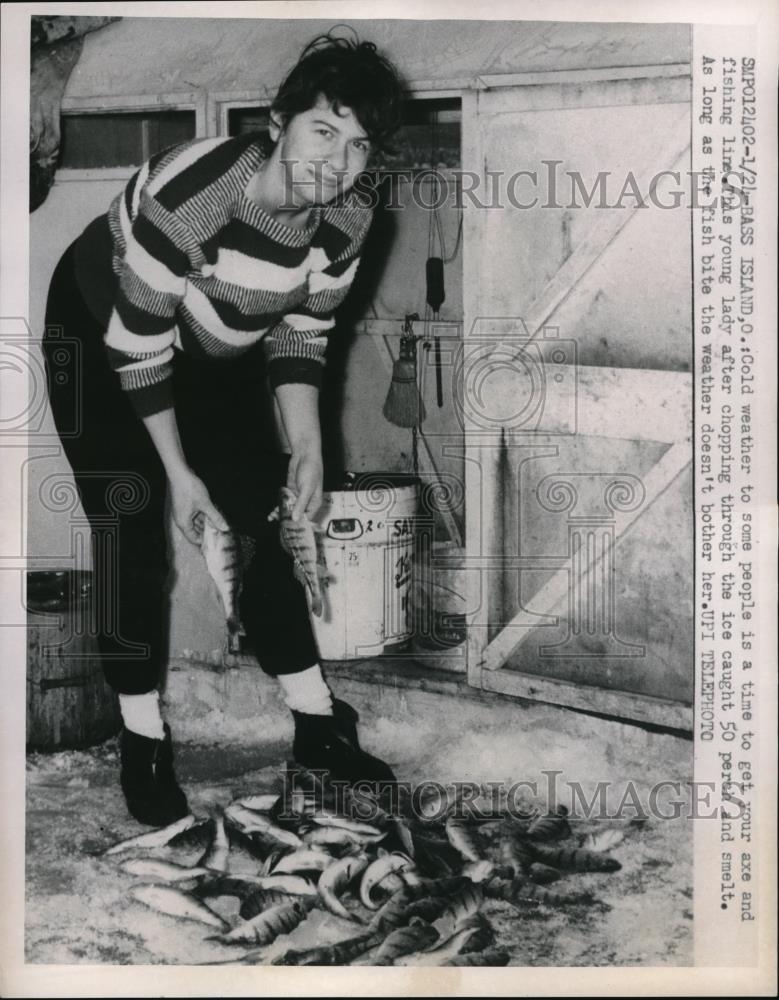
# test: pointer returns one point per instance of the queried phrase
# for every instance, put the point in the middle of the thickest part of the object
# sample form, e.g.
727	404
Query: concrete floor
233	733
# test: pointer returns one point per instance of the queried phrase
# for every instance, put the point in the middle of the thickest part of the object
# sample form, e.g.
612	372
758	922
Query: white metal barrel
366	550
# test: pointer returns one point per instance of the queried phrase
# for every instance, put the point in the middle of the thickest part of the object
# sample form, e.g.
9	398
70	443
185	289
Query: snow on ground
79	911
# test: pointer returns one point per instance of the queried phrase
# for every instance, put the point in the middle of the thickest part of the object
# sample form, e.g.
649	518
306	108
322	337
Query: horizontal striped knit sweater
204	269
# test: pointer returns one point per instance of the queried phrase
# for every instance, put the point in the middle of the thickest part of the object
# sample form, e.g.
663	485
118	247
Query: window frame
129	104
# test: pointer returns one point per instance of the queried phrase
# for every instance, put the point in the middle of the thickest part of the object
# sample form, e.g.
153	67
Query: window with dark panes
121	138
242	120
429	138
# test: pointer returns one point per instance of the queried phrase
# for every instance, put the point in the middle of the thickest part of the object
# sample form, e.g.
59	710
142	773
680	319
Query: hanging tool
403	406
434	274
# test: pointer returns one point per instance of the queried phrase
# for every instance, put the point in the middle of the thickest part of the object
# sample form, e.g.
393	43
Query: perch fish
156	838
267	925
222	555
166	871
416	936
379	870
297	538
336	878
176	903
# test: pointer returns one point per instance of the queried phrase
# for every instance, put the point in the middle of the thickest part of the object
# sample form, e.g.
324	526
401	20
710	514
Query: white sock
141	714
307	692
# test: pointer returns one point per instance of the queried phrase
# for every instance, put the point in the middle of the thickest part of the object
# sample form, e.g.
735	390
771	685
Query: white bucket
366	551
439	604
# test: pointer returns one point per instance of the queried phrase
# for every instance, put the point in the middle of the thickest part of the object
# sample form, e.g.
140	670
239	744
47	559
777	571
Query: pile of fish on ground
413	881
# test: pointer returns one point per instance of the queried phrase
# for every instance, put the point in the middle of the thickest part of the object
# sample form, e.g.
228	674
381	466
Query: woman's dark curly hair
350	74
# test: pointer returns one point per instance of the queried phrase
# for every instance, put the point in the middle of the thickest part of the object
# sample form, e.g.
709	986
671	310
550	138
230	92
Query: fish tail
593	861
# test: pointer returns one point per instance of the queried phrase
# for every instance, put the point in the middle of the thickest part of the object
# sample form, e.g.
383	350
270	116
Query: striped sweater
204	269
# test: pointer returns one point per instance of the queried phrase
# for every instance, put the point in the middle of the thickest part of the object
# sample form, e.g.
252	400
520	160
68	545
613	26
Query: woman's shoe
167	784
150	788
329	742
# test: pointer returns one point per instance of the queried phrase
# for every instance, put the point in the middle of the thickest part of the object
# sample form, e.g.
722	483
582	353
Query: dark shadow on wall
358	305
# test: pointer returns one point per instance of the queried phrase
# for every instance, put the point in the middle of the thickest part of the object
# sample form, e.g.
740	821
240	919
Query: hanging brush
403	406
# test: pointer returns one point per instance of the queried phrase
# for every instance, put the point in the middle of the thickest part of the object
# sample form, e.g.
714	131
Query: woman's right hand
190	503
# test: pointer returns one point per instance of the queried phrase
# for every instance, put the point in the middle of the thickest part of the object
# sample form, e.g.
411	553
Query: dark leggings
226	432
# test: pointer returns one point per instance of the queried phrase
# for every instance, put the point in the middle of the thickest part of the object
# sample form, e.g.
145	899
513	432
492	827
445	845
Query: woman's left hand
304	478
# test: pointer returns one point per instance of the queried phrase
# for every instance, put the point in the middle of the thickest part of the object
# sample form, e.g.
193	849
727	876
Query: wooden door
576	392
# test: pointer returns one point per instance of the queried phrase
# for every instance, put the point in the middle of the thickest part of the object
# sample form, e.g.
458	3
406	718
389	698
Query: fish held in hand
222	555
176	903
156	838
299	541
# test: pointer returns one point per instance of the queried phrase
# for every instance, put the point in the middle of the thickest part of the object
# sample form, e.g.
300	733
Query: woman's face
322	152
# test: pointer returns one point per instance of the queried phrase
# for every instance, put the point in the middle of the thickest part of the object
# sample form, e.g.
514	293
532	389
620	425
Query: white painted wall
139	57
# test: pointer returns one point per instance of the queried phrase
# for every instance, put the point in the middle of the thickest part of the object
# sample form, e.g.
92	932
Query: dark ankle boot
167	784
149	785
329	742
